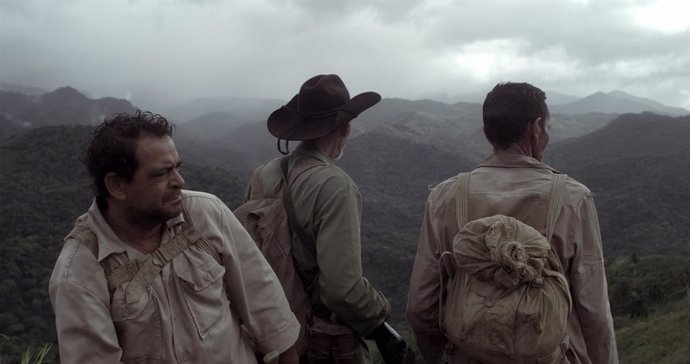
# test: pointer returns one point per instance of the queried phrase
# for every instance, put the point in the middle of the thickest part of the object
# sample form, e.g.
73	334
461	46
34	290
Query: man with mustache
153	273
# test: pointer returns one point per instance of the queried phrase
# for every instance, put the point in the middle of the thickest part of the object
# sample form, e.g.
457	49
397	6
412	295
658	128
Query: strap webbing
555	203
290	206
463	200
556	198
154	262
142	272
307	240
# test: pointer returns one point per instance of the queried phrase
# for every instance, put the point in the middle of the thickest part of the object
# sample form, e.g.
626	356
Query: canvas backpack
270	221
508	299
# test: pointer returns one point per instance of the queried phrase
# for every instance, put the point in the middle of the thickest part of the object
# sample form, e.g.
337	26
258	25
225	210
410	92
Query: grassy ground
661	338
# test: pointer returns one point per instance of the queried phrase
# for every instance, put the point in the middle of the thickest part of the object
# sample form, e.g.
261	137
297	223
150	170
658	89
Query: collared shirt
196	310
516	185
329	206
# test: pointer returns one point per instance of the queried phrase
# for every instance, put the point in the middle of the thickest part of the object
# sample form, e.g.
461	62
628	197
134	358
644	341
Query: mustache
173	197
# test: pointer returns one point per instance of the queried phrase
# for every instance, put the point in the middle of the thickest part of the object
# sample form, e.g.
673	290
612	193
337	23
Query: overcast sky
161	52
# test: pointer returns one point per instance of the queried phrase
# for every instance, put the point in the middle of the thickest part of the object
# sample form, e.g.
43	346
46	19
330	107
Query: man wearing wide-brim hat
326	244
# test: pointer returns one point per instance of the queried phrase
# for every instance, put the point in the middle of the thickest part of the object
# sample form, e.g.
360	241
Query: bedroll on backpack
266	220
508	300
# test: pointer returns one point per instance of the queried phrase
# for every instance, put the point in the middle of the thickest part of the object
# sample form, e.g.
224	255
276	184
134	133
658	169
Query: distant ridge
64	106
22	89
616	102
253	109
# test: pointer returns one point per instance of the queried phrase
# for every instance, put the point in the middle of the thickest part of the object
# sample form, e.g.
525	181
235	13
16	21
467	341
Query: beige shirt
196	310
515	185
329	206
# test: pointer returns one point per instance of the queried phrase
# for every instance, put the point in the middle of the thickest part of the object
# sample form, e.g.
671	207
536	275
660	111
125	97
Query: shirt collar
108	241
301	153
512	159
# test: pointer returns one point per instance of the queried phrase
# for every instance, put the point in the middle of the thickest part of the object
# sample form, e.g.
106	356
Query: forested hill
638	166
64	106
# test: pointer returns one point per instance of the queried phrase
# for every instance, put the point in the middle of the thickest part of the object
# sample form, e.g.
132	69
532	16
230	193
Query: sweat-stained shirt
192	312
512	184
329	206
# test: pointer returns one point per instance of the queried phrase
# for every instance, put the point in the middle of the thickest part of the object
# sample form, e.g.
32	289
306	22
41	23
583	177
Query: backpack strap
256	189
290	206
556	198
293	222
446	262
202	242
141	272
462	202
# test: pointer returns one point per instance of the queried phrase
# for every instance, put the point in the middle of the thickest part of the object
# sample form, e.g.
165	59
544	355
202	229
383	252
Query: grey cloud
386	10
170	50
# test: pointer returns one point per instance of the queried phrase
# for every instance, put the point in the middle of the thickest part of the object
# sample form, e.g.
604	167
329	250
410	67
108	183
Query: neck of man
144	236
327	145
522	148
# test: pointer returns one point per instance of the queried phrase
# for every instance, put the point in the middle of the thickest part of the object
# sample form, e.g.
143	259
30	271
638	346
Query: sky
159	53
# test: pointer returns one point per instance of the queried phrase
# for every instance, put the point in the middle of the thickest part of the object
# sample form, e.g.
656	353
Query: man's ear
115	186
536	128
344	130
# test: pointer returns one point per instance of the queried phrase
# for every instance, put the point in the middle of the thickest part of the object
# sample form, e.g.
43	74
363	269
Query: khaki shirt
515	185
329	206
196	310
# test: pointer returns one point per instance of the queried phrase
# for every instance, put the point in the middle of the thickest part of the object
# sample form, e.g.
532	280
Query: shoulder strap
290	206
142	272
154	262
255	184
556	198
83	234
202	242
307	240
462	201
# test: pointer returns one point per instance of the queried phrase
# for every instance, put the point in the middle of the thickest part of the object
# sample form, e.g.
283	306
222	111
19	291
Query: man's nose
177	180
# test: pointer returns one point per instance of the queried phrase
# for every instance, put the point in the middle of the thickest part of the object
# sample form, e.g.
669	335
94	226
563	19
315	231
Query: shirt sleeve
82	315
254	290
589	287
342	287
423	295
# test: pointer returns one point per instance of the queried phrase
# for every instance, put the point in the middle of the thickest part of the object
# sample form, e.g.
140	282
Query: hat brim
285	123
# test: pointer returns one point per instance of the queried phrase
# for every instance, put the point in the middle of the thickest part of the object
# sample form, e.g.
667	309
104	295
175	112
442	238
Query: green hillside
662	338
637	167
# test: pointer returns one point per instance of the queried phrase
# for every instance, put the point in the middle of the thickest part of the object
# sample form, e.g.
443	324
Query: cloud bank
161	52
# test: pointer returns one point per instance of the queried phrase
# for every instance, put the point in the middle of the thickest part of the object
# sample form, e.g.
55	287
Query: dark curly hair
508	109
113	148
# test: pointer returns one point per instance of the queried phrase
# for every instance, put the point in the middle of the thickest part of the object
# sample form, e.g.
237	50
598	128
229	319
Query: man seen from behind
514	181
344	306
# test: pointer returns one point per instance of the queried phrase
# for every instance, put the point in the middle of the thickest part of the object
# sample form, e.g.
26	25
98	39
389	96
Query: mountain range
416	144
635	164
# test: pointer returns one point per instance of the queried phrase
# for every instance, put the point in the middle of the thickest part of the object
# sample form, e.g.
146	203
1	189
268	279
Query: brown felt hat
322	105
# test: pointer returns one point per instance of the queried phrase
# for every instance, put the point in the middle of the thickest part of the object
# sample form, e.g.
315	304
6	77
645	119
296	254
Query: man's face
154	194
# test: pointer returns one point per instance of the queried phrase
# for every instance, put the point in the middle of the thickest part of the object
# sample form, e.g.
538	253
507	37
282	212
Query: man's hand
290	356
